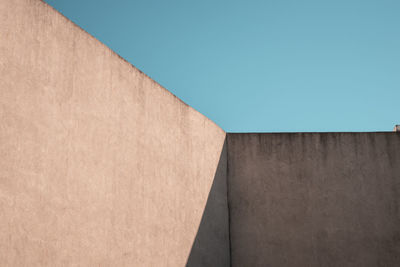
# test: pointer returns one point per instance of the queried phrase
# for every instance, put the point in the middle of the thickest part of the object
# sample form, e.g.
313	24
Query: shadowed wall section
100	166
314	199
211	245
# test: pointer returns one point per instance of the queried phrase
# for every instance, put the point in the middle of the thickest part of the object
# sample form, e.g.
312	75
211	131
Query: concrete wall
100	166
314	199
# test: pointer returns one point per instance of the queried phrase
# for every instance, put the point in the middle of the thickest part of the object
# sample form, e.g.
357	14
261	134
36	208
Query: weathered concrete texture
100	166
314	199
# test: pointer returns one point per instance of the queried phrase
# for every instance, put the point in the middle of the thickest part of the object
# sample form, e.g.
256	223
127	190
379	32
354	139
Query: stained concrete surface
100	165
314	199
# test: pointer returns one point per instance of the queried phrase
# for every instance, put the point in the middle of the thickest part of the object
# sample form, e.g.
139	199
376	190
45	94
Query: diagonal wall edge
99	164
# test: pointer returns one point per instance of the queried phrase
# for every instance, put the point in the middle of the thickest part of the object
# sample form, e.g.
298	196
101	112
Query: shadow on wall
211	246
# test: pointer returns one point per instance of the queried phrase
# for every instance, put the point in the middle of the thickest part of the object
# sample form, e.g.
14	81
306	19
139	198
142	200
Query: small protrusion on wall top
397	128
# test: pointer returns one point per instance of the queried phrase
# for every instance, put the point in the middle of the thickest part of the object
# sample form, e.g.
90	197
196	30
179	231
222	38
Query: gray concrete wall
314	199
100	166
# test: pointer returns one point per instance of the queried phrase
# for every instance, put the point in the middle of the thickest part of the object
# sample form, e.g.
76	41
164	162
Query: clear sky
262	65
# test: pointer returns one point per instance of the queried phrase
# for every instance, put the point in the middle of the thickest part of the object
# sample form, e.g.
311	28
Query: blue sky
262	65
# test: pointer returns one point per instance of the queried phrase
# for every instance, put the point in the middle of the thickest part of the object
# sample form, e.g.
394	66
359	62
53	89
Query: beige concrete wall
314	199
99	165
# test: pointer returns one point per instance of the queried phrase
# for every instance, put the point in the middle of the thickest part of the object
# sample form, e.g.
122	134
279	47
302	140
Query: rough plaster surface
314	199
100	166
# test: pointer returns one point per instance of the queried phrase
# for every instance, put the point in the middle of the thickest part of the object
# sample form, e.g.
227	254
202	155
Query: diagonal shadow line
211	246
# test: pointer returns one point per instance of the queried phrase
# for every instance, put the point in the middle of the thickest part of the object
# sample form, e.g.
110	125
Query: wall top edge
126	62
310	133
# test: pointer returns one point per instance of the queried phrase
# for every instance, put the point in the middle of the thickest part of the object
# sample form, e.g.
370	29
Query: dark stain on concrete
314	199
